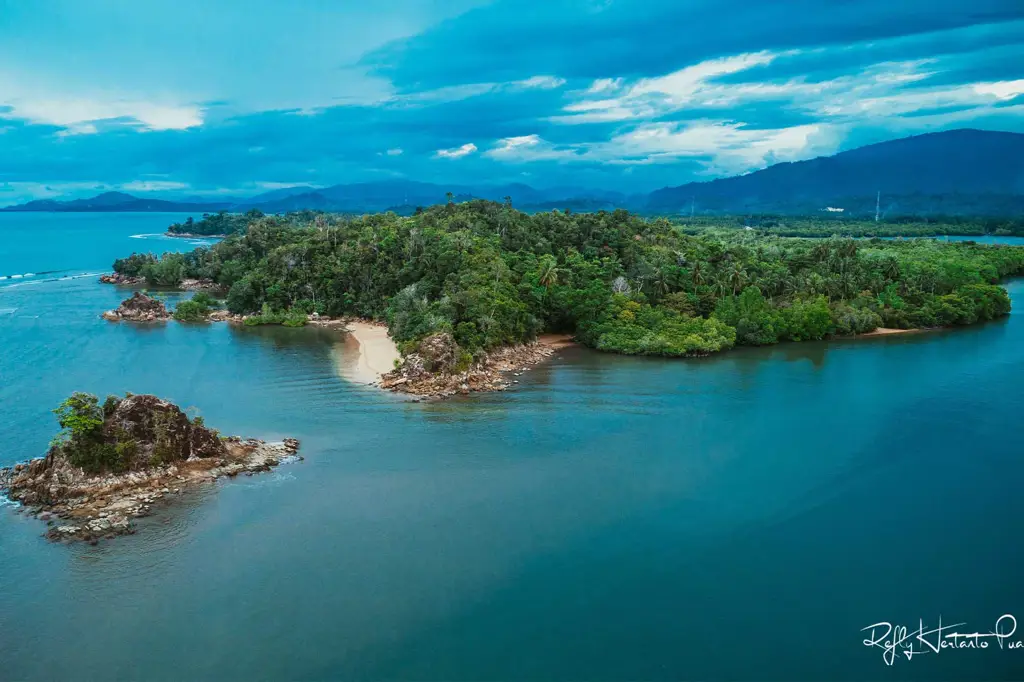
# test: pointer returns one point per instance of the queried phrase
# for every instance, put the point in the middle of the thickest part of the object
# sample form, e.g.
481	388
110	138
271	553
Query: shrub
191	311
850	320
756	322
289	318
635	328
132	265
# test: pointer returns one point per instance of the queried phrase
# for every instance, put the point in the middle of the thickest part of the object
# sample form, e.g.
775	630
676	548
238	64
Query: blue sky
199	97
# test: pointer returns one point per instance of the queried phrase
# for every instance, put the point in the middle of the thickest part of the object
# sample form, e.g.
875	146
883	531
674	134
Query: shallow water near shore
741	516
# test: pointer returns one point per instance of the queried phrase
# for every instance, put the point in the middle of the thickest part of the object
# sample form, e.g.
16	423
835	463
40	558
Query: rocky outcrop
433	371
118	278
199	285
138	308
192	235
152	450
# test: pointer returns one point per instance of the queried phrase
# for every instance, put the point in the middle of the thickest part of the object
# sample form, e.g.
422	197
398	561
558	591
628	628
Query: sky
200	98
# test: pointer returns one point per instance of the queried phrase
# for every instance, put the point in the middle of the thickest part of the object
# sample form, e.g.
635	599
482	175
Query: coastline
490	372
886	331
369	353
191	235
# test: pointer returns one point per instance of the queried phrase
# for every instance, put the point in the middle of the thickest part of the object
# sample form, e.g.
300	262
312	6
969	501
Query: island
139	307
217	225
460	286
113	461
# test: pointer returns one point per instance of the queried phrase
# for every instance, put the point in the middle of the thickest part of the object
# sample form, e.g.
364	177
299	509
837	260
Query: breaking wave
163	237
11	281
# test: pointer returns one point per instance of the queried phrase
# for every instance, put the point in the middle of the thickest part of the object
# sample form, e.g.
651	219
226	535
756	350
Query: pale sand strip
885	331
368	352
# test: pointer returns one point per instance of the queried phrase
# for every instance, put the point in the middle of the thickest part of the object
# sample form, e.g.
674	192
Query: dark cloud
579	39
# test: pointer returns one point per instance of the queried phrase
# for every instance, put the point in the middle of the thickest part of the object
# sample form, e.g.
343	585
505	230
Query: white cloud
1002	90
77	114
866	101
682	85
153	186
528	148
649	97
394	152
457	152
454	93
604	84
722	146
541	82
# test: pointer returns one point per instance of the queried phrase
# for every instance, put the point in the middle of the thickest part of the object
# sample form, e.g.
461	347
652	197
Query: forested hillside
492	275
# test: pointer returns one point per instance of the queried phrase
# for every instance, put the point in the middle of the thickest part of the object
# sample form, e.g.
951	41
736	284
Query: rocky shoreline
199	285
190	235
123	280
432	373
421	376
80	505
139	308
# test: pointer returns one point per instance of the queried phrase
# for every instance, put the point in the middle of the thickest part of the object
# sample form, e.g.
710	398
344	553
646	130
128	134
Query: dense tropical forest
491	275
835	226
220	224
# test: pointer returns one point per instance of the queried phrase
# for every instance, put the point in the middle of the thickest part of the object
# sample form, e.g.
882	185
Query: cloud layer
187	97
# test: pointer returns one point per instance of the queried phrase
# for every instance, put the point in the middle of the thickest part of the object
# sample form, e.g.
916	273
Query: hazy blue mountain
118	201
970	172
958	171
275	194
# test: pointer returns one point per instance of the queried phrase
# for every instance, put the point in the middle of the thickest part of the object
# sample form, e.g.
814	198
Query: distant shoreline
190	235
888	331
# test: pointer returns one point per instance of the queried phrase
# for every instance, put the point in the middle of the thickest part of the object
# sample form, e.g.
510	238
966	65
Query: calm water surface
737	517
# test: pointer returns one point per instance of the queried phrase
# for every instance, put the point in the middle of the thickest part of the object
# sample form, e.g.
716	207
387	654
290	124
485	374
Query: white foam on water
4	502
44	281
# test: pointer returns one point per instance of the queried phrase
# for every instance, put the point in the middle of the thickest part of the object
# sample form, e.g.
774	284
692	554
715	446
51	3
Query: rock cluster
433	372
169	454
139	308
199	285
118	278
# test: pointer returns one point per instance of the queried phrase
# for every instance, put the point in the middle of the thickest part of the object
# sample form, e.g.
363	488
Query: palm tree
548	276
737	278
697	274
891	269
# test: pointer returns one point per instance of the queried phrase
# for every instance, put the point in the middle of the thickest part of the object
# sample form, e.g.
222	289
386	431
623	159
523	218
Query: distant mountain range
971	172
966	172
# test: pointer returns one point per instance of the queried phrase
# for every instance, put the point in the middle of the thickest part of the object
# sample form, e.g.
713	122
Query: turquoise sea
737	517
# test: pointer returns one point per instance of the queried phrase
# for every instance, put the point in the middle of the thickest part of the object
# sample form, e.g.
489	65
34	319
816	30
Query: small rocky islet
139	307
114	460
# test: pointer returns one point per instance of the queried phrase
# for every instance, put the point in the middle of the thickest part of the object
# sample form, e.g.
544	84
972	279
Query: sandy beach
886	331
367	352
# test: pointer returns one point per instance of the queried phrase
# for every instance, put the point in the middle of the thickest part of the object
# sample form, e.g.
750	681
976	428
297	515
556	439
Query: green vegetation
490	275
827	226
216	224
196	309
223	223
82	438
290	318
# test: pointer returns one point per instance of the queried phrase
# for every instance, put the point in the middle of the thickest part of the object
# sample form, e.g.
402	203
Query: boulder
139	308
